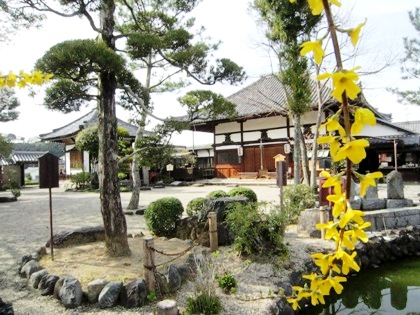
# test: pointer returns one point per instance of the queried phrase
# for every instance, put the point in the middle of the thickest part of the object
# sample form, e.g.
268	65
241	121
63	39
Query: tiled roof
268	96
87	120
413	125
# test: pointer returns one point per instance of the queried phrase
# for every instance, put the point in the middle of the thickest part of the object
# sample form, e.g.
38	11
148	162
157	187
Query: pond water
392	289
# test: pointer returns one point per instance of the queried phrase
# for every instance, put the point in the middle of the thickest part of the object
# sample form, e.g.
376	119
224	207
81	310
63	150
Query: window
227	157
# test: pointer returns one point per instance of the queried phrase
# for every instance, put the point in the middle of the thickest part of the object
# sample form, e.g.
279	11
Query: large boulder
220	206
134	294
71	293
109	294
78	236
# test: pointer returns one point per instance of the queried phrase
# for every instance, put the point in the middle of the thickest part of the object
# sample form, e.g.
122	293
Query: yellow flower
317	49
317	7
354	234
331	230
354	151
348	261
343	81
335	283
368	180
354	215
11	80
340	204
355	32
362	116
332	181
332	124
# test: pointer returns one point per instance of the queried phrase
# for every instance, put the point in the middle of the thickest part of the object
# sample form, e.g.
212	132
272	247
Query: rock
79	236
398	203
23	261
71	293
372	191
128	212
94	288
395	185
134	294
281	307
57	288
220	206
140	211
48	287
186	272
109	295
174	279
356	203
6	308
307	222
373	204
36	278
29	268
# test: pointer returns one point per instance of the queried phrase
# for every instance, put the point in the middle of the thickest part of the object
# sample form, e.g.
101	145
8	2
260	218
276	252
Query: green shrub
245	192
227	282
81	180
257	229
204	303
297	198
15	192
217	194
161	216
194	206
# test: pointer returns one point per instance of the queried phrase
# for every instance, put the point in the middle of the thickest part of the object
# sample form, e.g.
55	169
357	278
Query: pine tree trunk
112	213
296	149
135	176
304	158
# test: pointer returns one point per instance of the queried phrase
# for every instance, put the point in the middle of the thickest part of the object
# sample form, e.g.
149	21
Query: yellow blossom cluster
347	226
23	79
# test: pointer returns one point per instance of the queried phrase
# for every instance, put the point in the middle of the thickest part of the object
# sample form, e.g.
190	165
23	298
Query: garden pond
391	289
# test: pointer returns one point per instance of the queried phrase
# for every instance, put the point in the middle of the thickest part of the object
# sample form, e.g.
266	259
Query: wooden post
214	242
149	263
51	227
167	307
323	218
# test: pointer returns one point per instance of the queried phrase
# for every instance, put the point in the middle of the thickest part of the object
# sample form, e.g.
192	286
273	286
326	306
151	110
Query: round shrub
161	216
297	198
245	192
217	194
194	206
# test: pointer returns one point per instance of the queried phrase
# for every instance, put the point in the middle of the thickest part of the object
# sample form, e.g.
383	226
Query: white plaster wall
86	161
265	123
252	136
228	127
379	130
277	133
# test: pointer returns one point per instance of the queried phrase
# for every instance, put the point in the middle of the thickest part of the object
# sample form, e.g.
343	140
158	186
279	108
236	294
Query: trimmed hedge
161	216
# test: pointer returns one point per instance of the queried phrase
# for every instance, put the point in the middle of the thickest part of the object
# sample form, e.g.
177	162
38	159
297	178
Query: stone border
107	294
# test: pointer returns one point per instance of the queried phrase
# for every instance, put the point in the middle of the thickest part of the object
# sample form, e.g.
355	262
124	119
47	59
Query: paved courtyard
24	225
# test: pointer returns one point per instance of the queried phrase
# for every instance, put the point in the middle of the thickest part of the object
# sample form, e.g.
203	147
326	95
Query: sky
231	22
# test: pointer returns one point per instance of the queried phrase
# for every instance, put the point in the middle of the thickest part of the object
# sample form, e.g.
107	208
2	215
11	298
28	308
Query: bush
257	230
245	192
297	198
204	303
81	180
15	192
195	206
161	216
217	194
227	282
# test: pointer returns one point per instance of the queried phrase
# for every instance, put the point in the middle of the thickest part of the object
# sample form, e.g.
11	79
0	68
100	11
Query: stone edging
107	294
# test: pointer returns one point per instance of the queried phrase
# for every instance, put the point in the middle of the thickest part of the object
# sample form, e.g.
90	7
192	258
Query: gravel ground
24	226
